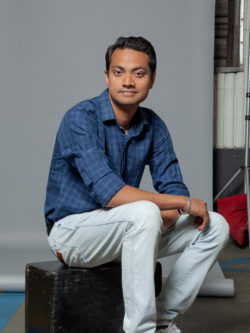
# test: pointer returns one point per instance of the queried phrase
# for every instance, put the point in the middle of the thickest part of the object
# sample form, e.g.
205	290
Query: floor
207	314
224	315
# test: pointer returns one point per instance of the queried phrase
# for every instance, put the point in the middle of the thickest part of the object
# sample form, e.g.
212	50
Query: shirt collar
106	107
107	112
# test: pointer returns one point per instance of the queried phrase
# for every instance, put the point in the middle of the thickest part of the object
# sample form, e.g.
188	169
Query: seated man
95	211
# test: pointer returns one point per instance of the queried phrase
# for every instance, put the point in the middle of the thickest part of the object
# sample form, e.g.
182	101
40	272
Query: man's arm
84	150
128	194
167	181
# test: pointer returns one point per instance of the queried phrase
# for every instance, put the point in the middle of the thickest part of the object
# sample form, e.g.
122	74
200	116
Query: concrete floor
222	315
207	314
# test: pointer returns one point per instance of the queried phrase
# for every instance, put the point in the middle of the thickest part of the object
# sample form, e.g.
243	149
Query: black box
63	299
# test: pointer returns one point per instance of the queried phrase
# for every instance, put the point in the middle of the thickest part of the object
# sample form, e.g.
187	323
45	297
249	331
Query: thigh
177	237
89	239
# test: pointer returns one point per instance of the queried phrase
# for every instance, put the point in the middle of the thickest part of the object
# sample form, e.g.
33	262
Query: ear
106	77
152	80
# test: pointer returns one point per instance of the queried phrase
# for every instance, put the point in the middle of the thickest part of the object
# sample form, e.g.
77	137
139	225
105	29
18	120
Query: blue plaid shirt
93	158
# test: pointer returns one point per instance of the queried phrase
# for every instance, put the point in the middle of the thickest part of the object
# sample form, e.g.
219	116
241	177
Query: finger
202	226
204	223
197	221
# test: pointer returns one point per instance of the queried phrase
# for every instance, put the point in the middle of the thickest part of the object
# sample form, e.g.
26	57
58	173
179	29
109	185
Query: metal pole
227	184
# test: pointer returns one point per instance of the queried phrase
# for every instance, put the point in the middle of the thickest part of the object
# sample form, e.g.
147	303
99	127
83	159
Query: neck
124	114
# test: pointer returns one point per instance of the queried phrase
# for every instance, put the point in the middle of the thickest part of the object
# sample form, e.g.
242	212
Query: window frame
229	21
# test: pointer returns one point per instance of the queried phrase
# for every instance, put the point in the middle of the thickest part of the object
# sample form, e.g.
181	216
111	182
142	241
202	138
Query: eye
139	74
117	72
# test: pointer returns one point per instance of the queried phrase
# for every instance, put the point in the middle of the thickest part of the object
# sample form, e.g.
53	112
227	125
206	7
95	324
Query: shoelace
174	328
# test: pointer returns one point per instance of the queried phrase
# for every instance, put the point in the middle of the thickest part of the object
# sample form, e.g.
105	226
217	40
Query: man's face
129	78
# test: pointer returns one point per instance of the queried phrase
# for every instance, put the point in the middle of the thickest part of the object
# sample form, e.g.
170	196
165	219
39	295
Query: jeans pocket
65	223
71	255
63	239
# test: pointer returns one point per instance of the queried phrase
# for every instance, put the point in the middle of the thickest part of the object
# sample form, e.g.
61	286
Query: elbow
118	199
114	201
110	204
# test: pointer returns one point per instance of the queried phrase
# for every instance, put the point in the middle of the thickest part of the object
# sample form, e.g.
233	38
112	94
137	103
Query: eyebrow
133	69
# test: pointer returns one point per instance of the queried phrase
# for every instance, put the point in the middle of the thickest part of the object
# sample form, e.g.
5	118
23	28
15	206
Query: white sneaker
172	328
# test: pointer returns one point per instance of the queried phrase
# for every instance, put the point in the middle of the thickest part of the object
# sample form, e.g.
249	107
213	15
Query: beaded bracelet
188	209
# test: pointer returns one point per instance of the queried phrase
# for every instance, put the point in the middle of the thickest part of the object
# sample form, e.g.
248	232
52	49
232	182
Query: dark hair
134	43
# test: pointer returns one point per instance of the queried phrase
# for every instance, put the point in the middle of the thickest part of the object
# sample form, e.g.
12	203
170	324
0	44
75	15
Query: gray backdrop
52	56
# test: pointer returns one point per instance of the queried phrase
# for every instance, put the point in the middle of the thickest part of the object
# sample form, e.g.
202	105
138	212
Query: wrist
186	206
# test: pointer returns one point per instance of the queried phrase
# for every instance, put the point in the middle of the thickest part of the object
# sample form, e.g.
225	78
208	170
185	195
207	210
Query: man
96	213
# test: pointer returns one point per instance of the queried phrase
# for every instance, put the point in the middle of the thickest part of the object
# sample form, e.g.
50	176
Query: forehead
129	58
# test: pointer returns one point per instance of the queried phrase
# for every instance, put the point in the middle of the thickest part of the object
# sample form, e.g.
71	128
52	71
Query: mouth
128	92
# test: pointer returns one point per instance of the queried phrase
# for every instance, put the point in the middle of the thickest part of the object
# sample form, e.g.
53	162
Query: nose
128	81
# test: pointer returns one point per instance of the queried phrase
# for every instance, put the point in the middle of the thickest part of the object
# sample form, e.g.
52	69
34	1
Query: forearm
195	207
130	194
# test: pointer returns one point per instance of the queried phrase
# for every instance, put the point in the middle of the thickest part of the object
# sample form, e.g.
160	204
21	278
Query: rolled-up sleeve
164	166
82	146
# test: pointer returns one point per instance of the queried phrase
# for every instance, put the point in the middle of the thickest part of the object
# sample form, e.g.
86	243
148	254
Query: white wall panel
239	111
219	110
229	110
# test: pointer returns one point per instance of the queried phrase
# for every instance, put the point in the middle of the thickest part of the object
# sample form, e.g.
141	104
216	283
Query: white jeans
133	234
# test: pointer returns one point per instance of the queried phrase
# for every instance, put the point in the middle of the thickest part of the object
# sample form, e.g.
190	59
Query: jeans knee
220	228
147	215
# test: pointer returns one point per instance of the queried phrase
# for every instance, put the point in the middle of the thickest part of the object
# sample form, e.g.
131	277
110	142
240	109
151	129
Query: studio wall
52	56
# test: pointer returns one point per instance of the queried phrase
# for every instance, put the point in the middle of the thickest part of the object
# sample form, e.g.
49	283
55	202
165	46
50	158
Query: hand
198	209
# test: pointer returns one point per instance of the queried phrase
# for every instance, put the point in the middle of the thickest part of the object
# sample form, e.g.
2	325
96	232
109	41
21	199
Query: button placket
124	149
